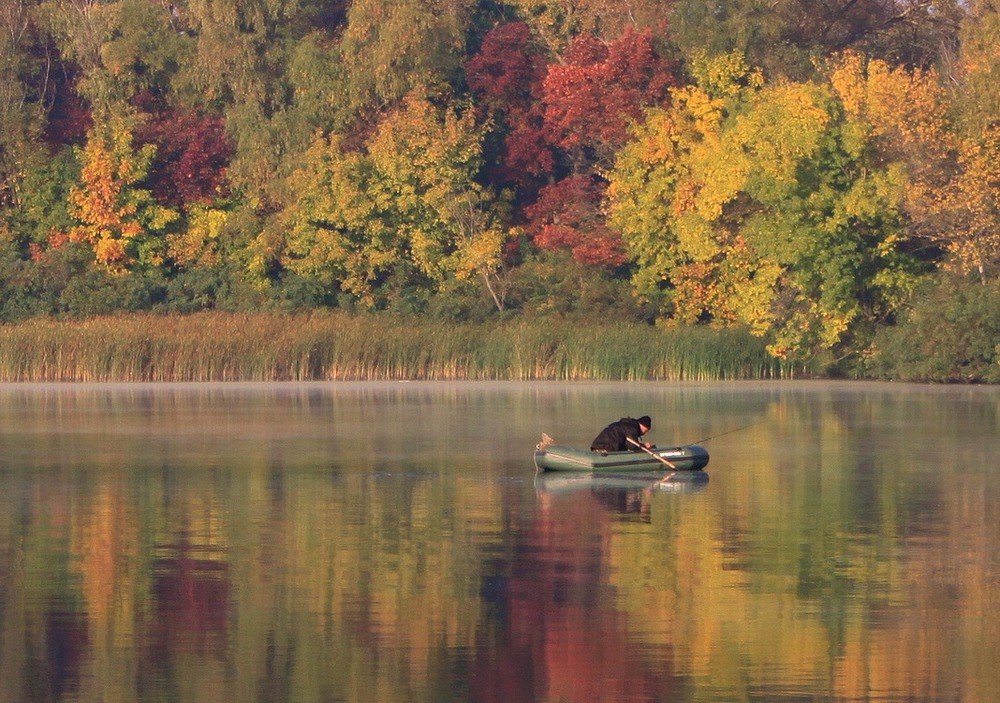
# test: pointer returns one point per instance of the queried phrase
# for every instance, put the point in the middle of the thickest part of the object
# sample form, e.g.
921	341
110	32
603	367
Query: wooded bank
804	170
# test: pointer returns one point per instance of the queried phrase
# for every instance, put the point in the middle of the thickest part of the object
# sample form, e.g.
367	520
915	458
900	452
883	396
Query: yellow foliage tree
410	203
904	111
198	243
951	179
762	205
965	213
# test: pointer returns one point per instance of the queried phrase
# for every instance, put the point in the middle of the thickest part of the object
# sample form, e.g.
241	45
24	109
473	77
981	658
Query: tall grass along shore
272	347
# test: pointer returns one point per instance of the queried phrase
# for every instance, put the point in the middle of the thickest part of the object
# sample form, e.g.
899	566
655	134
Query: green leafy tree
241	67
557	22
786	36
975	97
144	47
949	333
22	99
34	181
105	40
390	50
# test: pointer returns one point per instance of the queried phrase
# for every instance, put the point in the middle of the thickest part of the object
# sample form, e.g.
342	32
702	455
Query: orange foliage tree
117	218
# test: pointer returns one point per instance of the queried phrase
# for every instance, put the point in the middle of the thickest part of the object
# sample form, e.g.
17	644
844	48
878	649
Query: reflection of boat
552	457
671	482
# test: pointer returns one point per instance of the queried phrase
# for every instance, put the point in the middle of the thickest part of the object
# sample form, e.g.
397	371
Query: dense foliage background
824	175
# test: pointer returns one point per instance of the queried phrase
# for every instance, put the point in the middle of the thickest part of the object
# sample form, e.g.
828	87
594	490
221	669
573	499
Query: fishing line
737	429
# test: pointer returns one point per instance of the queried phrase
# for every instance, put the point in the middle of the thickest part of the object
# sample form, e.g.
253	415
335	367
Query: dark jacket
613	437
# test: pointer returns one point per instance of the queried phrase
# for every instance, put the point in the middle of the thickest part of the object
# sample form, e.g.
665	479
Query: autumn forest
823	176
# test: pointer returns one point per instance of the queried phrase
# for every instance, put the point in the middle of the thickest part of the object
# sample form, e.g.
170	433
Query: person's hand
647	445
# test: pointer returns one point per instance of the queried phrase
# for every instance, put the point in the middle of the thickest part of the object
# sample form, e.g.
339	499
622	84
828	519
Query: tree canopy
796	168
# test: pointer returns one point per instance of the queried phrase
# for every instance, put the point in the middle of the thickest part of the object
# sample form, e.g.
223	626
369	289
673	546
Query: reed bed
318	347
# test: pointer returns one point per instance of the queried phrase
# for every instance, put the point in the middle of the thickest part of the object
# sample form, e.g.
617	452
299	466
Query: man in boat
614	437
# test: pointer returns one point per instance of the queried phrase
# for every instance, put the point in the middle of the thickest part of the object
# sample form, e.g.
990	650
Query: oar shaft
651	453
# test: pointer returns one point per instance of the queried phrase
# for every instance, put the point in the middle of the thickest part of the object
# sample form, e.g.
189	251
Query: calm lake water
390	542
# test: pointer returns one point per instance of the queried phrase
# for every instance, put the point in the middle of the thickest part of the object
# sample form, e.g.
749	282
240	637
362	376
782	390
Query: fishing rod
736	429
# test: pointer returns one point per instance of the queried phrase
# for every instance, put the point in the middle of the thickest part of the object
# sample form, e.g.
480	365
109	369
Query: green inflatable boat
552	457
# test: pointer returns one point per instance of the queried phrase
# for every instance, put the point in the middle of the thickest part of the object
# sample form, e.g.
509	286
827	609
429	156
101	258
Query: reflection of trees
191	593
56	676
838	560
820	562
554	633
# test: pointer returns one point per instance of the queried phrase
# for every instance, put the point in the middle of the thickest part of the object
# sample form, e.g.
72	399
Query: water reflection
374	542
557	632
621	491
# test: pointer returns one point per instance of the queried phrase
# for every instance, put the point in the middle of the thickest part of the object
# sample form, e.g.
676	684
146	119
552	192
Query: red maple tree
506	77
561	123
599	90
192	155
567	215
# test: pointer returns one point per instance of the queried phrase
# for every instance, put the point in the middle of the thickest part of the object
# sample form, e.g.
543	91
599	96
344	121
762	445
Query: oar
651	453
